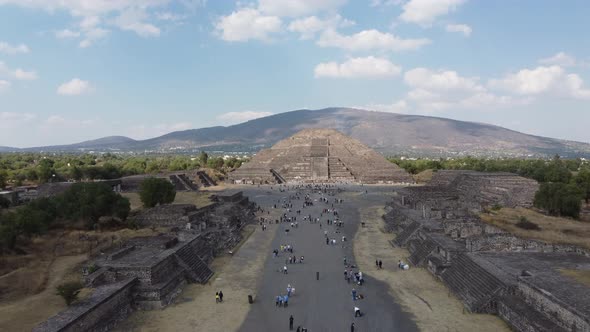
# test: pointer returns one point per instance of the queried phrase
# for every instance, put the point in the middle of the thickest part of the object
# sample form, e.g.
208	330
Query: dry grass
581	276
24	314
199	199
424	176
419	293
553	229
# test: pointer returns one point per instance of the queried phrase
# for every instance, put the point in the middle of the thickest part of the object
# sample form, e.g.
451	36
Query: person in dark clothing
380	264
220	296
352	327
291	319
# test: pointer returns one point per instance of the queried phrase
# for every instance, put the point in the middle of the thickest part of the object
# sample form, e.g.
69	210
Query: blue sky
72	70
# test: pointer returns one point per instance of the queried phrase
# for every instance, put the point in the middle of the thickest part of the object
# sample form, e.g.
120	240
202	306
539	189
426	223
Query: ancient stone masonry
319	155
150	272
490	270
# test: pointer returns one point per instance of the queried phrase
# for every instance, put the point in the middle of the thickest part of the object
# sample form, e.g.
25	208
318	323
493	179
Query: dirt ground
237	276
433	307
24	314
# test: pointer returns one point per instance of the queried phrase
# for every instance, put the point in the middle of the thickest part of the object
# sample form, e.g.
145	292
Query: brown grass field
553	229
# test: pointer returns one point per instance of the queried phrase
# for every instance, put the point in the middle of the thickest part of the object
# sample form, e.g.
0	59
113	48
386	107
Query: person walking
216	297
357	312
220	296
352	327
291	319
380	264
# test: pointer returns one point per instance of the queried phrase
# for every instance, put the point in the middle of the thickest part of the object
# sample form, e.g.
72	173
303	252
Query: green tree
559	199
3	178
154	191
90	201
45	171
203	158
582	181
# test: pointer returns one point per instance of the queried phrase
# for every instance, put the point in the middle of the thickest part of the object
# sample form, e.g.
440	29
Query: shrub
496	207
154	191
69	291
524	223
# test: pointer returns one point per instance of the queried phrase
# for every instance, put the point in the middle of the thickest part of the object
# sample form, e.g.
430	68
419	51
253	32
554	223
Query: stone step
471	282
405	235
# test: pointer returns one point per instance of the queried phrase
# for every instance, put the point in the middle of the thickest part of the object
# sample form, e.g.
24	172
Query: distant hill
388	133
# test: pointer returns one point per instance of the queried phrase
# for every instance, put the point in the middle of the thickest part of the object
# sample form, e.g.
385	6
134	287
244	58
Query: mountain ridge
388	133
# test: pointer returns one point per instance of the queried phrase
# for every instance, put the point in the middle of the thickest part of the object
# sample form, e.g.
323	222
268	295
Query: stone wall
107	306
544	302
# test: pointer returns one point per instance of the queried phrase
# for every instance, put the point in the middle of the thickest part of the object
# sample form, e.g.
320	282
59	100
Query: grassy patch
199	199
553	229
581	276
424	176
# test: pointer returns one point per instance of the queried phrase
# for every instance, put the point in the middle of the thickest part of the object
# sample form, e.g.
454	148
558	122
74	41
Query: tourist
285	269
357	312
217	297
220	296
377	263
352	327
299	328
380	264
291	319
277	300
353	292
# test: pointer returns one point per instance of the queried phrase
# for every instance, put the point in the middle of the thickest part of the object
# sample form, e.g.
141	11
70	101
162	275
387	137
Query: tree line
20	168
81	206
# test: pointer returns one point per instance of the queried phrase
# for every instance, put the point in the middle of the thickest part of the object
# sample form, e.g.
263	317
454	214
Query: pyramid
319	156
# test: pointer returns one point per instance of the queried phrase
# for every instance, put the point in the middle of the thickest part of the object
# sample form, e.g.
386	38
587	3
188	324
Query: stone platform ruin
487	268
319	155
150	272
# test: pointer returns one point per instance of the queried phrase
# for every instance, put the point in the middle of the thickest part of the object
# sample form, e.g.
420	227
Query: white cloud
560	59
462	28
23	75
246	24
369	40
239	117
296	8
18	73
101	14
308	27
66	33
441	80
542	80
400	106
74	87
13	49
169	16
93	35
379	3
368	67
134	20
425	12
439	90
4	85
